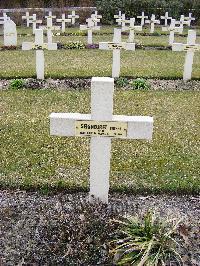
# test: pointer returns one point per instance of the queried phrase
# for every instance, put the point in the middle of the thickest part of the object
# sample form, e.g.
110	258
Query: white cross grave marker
152	21
49	28
182	21
172	29
132	28
191	47
10	33
142	17
96	18
28	19
39	46
122	21
166	18
89	27
64	20
34	21
119	16
101	125
73	17
4	18
190	19
116	46
50	15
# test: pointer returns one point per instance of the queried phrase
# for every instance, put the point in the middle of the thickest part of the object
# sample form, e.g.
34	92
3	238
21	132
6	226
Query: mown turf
31	158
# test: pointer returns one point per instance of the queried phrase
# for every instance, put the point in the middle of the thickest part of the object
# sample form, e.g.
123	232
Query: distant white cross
116	46
49	28
122	21
182	21
152	22
166	18
96	18
132	28
39	46
50	15
142	17
119	16
190	19
4	18
73	17
64	20
89	27
101	126
34	21
191	47
28	18
172	29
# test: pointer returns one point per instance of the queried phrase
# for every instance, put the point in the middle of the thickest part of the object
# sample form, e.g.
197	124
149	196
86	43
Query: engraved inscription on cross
101	125
191	47
89	27
132	28
39	46
49	28
63	20
152	22
116	46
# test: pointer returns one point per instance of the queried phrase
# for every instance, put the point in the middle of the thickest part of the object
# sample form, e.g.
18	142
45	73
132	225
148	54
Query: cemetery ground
44	215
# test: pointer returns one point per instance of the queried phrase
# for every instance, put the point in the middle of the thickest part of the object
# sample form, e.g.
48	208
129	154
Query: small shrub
140	84
147	242
74	45
16	84
122	82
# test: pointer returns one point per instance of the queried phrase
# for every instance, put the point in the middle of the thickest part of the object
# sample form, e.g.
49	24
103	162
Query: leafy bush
122	82
16	84
146	242
140	84
74	45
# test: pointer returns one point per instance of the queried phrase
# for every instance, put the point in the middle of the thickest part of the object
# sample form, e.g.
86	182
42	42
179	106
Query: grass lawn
30	158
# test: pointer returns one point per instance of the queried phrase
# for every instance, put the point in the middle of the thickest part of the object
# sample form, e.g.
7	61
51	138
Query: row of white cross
116	46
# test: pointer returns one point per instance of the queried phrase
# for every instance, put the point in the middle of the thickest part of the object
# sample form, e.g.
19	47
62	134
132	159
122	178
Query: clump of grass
122	82
149	241
17	84
140	84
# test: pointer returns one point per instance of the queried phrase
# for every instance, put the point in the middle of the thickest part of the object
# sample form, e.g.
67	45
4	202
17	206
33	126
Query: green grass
88	63
31	158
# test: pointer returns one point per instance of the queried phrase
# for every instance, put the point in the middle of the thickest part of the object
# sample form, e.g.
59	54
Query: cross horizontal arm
138	127
117	46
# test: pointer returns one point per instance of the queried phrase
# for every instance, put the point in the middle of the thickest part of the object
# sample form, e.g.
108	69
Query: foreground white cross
152	22
143	17
172	29
190	19
116	46
132	28
49	28
34	21
28	19
73	17
166	18
89	27
39	46
64	20
119	16
101	125
190	48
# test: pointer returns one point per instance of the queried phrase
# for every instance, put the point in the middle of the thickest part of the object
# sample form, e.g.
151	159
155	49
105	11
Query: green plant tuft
16	84
122	82
140	84
149	241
